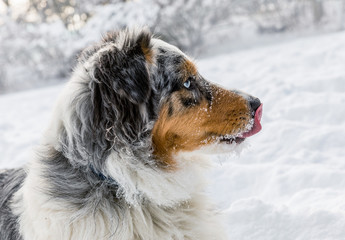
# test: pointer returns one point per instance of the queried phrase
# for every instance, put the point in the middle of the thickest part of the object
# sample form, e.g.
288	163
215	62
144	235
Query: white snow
290	184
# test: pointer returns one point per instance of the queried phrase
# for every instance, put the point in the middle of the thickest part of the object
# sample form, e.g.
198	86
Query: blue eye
186	84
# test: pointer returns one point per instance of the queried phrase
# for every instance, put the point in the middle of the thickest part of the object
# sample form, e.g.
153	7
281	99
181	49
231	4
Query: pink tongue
257	125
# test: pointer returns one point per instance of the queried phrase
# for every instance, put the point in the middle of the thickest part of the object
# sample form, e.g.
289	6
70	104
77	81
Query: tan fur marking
188	68
190	128
147	53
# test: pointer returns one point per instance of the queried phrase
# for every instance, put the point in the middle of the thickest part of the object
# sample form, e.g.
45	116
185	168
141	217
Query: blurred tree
186	23
317	8
271	16
48	10
342	17
39	42
73	13
6	2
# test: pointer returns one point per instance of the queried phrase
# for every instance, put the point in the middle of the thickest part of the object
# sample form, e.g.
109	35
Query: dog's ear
124	70
121	86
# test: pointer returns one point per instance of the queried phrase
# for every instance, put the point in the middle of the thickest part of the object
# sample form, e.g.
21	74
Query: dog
122	157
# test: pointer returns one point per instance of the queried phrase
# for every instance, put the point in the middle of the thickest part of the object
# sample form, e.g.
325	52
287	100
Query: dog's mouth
254	129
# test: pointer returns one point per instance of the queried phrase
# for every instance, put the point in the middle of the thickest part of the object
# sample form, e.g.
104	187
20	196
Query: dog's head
139	91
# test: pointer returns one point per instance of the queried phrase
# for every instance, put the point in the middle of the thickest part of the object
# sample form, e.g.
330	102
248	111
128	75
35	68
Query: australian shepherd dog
122	157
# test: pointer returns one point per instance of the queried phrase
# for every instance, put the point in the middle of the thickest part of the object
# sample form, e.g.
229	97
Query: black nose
254	103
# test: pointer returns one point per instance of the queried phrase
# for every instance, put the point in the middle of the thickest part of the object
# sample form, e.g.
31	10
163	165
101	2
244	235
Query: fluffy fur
121	158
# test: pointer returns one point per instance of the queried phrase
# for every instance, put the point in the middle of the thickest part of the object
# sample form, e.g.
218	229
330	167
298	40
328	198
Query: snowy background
289	184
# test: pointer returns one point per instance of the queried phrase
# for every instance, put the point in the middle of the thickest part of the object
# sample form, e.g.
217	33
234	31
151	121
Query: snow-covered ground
290	184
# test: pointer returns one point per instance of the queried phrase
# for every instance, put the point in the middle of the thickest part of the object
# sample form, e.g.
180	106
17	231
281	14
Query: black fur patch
124	72
189	102
10	182
170	109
